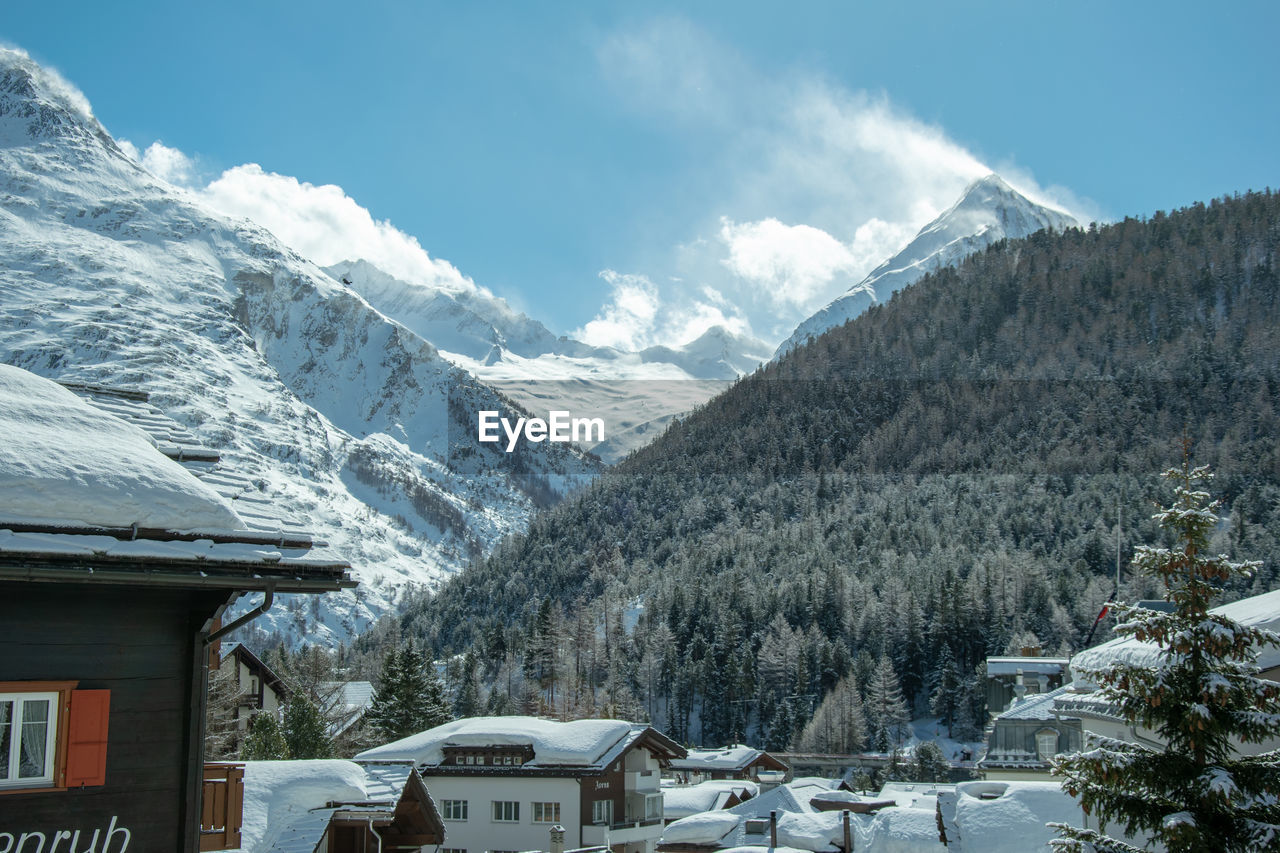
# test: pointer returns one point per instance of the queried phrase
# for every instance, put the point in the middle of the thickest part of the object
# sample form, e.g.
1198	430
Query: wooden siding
139	644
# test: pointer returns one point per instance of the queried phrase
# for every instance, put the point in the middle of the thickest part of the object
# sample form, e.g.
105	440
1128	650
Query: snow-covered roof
1005	817
1036	706
281	799
65	461
348	700
97	484
726	758
682	801
1260	611
577	743
1014	665
707	828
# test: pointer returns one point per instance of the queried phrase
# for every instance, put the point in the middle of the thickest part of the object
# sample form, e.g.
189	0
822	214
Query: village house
730	762
258	688
1026	735
502	783
337	806
123	542
1100	717
1028	674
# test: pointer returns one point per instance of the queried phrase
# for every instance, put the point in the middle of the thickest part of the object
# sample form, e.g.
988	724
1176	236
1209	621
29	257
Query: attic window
1046	744
757	826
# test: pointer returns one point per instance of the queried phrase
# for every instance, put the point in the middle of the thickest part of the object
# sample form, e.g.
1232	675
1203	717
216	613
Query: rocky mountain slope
348	421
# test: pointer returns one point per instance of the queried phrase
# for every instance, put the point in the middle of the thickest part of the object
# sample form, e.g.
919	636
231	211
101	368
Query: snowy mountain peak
333	412
988	210
43	106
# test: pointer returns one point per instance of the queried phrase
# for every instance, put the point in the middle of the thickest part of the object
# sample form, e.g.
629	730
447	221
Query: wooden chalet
123	542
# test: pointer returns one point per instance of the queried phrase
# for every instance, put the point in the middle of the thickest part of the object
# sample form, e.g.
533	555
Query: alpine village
988	562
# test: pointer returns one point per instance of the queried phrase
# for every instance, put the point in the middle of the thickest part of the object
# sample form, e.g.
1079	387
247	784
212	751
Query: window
52	735
453	850
28	726
506	811
1046	743
546	812
602	812
454	810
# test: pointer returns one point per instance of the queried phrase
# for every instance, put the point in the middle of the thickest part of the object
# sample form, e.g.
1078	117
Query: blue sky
675	164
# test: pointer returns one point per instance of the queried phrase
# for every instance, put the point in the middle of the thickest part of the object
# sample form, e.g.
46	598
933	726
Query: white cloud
790	262
326	225
636	316
814	184
627	320
168	164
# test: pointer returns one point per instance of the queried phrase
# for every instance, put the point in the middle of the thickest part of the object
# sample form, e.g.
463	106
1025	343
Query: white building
1100	717
502	783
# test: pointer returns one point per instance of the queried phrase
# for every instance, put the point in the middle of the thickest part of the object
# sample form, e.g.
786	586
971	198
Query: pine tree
265	741
839	725
1198	793
887	715
304	730
929	764
408	697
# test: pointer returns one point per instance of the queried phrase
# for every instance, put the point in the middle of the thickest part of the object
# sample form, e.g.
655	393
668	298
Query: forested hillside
937	481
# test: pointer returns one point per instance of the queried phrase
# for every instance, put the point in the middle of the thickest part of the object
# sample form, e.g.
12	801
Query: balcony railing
221	806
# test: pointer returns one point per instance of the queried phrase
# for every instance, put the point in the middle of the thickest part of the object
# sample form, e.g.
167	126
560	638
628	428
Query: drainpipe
376	834
268	597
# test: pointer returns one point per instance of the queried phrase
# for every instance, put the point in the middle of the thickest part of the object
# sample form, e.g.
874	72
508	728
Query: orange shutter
87	738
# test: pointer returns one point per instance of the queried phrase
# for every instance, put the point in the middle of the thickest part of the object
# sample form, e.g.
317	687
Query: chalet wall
479	832
137	643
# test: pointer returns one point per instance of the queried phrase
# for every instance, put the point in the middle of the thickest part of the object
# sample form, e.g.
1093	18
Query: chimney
848	838
557	839
773	829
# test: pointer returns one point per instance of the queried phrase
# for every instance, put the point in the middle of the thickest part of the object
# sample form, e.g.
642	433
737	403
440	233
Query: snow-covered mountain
349	422
637	393
988	211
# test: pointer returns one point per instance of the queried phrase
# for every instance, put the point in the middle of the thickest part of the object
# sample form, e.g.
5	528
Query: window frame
514	810
460	805
59	719
537	807
1042	736
605	806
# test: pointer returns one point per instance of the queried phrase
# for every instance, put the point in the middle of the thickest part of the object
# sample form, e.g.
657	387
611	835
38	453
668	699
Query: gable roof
241	653
587	745
1259	611
736	757
99	486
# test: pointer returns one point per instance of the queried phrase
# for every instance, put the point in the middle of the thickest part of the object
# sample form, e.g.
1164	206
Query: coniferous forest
837	542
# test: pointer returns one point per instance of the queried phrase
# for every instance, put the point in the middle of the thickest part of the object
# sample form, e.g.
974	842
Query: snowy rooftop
679	802
1260	611
726	758
707	828
1036	706
284	801
98	482
1014	665
578	743
65	461
1004	817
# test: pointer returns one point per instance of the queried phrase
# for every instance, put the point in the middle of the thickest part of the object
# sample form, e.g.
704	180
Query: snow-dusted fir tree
886	711
1203	695
408	697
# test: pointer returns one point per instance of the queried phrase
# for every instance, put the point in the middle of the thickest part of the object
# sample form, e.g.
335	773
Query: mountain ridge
988	210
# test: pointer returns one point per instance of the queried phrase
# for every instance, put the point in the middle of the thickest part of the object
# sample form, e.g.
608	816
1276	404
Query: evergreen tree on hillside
839	725
408	697
887	715
1198	794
